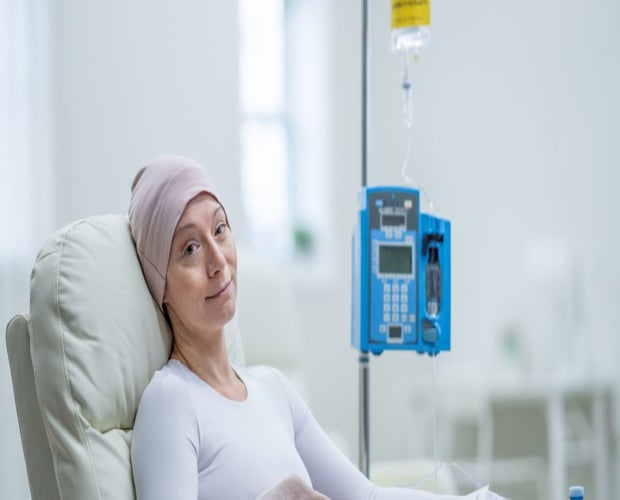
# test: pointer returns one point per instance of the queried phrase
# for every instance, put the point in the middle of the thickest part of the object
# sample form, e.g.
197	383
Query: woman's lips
221	291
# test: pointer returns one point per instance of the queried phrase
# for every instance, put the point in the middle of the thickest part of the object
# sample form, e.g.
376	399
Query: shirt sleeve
331	472
165	443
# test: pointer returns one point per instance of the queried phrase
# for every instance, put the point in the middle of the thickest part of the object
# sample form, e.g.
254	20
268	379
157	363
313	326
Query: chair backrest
269	317
82	359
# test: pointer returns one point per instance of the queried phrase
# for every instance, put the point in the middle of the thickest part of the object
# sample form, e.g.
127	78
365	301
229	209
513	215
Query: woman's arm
164	444
331	472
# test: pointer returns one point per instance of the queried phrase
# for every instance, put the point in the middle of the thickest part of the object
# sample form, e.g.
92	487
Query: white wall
136	79
516	137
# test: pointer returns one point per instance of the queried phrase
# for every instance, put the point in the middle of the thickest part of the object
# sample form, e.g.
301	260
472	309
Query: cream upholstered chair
268	317
80	361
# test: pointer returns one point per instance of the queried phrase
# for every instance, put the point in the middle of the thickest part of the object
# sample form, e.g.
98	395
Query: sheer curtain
25	193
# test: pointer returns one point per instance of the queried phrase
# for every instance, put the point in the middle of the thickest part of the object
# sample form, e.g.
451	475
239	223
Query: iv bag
411	21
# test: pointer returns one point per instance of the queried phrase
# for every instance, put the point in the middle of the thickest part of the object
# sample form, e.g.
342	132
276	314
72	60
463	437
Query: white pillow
97	337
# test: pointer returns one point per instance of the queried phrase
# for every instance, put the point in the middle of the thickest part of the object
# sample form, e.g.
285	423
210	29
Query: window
264	124
25	157
282	147
25	190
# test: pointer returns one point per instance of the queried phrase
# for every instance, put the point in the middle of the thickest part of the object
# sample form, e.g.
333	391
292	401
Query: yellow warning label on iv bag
410	13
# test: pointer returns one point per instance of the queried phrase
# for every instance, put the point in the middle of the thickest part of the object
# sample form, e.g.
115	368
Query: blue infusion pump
401	274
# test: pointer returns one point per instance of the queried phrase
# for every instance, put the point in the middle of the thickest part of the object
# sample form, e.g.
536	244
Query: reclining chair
81	360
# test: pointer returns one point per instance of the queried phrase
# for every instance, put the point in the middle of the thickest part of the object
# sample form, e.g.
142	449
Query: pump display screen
395	259
392	219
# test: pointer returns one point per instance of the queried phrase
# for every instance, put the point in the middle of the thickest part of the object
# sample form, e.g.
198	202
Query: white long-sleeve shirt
190	442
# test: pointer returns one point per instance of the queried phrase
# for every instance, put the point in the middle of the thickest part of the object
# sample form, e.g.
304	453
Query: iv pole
364	358
363	422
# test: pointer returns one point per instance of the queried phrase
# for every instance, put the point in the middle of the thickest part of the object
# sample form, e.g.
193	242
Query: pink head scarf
159	194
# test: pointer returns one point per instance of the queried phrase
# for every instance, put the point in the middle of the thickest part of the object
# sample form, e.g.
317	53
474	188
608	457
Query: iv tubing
438	466
407	114
408	56
476	484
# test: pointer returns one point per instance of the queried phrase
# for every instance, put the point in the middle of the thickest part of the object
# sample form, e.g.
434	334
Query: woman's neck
209	361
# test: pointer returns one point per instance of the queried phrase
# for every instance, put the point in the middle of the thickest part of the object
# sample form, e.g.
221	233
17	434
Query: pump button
395	333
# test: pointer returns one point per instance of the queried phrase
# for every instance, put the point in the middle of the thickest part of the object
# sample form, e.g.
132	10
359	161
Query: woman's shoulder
166	386
277	386
166	416
269	378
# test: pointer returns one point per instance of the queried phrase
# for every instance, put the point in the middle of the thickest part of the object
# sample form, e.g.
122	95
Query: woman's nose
215	259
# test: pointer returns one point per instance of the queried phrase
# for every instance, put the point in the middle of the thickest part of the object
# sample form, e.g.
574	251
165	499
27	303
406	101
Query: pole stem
364	435
365	90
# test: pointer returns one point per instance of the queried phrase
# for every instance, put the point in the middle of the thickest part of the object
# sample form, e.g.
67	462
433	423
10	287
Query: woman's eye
220	229
190	249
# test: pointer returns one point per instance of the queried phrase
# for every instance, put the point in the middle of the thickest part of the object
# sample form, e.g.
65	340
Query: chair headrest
97	337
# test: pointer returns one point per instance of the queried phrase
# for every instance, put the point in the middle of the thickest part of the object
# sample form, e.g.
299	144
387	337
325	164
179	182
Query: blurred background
516	139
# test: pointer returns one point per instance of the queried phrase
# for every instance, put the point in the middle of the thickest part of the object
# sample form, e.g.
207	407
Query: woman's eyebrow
191	225
184	227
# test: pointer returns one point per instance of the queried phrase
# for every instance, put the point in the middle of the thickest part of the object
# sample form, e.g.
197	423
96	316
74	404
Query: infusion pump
401	274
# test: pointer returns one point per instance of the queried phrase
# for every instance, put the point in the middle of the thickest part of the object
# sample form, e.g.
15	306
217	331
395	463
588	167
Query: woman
205	428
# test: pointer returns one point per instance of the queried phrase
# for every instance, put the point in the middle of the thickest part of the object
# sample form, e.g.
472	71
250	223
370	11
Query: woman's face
201	280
